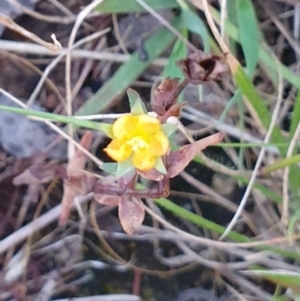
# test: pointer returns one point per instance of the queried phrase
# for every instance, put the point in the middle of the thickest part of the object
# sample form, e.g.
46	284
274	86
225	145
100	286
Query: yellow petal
118	151
143	160
124	127
147	124
159	144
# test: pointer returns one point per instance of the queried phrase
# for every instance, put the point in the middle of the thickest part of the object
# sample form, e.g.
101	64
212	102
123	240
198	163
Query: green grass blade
129	71
194	24
282	164
206	224
248	33
295	115
258	105
60	118
264	56
117	6
199	220
179	52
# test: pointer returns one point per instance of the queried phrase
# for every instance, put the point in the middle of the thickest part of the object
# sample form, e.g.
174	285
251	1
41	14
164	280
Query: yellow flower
140	136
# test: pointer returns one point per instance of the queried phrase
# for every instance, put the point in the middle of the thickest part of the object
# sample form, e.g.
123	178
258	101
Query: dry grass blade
8	22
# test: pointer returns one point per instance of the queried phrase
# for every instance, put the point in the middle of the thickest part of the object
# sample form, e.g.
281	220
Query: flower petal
124	127
143	159
147	124
118	151
159	144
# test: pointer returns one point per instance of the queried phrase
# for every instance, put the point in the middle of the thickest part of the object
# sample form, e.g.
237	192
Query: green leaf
248	33
124	167
104	127
160	166
168	129
110	167
136	104
117	6
129	71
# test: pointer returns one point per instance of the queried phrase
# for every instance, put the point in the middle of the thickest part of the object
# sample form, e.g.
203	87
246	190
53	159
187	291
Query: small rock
23	137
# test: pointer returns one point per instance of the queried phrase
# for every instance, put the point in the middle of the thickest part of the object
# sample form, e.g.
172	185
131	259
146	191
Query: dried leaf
36	174
76	179
131	214
109	200
199	67
178	160
162	99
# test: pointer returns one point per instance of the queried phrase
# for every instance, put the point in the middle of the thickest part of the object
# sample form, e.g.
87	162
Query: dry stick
208	191
260	157
208	242
86	69
38	224
223	17
8	22
117	258
24	61
80	18
205	119
293	43
38	87
166	24
285	189
120	297
30	48
55	128
39	16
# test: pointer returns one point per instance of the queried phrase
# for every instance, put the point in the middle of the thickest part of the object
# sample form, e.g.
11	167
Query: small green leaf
110	167
124	167
136	104
168	129
160	166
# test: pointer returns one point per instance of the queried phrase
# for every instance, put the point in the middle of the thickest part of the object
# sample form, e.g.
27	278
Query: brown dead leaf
76	179
178	160
162	99
36	174
199	67
109	200
131	214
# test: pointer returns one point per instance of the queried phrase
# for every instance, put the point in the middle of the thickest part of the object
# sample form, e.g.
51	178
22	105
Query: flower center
137	143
